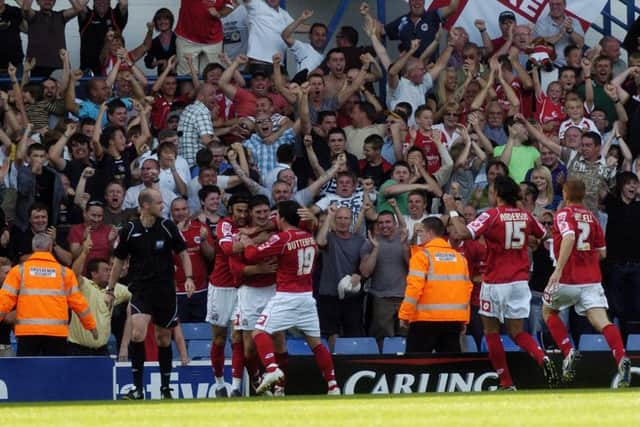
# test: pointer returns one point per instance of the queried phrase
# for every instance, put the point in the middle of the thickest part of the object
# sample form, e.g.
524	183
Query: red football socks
559	333
264	345
237	360
528	344
612	335
217	360
498	359
325	362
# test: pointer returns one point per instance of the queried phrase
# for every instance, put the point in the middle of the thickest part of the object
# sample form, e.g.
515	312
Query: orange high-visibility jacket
43	291
438	285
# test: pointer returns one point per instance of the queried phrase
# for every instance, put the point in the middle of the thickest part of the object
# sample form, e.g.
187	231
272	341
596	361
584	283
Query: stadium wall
102	378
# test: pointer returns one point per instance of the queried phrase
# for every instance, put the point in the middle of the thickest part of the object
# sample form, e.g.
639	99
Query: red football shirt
583	265
197	25
296	251
198	262
505	230
221	275
429	150
237	263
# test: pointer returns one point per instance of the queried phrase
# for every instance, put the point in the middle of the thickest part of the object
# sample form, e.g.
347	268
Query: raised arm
323	232
224	83
98	151
56	150
70	95
397	67
589	98
370	29
539	135
315	186
349	89
287	33
163	76
312	157
481	97
278	81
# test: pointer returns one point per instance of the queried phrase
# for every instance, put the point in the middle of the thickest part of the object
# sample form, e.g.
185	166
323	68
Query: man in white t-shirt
235	27
308	56
149	172
267	20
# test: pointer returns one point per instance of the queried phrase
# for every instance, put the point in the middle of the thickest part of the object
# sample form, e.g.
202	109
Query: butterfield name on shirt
300	243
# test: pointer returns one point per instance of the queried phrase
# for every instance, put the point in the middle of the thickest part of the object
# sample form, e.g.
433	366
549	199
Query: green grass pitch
584	408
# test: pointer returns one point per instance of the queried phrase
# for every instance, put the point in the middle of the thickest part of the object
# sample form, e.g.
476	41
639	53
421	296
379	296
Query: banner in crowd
101	378
526	12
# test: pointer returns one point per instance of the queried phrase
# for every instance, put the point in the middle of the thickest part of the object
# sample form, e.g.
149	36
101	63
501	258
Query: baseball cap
507	14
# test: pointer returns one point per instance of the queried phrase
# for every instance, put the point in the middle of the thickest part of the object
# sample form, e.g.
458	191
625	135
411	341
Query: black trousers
41	345
74	349
441	337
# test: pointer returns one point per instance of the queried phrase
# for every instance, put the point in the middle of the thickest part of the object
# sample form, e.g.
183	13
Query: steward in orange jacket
436	303
43	291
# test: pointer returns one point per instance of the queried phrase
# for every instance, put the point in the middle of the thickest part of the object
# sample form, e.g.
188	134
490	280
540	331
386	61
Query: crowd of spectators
223	116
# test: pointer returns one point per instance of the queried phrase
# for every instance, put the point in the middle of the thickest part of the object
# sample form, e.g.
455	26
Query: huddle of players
258	248
262	284
578	244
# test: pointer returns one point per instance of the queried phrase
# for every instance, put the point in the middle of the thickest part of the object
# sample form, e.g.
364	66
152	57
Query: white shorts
581	297
251	303
221	305
289	309
505	300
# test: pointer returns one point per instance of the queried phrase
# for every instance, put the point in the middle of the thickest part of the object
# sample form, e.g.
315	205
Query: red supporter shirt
429	150
547	111
475	254
583	265
244	103
221	275
296	251
198	262
161	109
99	239
505	230
197	25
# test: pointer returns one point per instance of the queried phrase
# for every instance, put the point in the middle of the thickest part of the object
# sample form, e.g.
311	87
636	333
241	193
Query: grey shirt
339	258
389	275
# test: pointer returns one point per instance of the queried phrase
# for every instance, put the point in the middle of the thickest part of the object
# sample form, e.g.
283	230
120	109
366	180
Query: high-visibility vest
438	286
43	291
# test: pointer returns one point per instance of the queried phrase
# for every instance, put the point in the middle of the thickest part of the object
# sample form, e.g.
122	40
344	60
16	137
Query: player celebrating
505	294
578	243
293	303
222	295
257	286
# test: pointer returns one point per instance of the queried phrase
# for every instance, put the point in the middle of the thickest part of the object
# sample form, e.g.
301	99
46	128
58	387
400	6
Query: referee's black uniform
151	268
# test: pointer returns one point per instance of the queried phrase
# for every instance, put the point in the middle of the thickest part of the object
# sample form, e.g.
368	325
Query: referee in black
150	242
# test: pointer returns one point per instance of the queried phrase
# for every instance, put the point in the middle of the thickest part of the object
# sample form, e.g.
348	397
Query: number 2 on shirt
305	260
514	235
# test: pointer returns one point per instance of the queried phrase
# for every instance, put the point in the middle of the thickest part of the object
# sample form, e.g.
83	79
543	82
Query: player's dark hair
507	190
435	225
574	190
238	198
531	190
288	210
259	200
204	157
